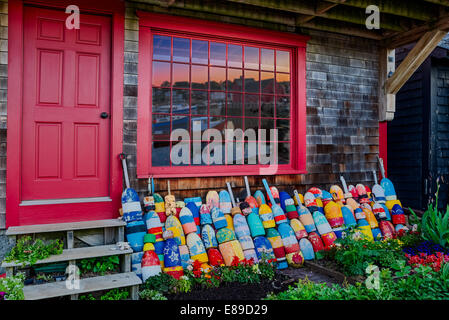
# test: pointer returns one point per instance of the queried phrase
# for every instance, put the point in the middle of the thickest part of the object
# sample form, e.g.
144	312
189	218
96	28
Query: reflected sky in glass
161	47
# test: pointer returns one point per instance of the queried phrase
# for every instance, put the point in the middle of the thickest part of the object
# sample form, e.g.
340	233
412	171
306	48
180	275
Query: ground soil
238	291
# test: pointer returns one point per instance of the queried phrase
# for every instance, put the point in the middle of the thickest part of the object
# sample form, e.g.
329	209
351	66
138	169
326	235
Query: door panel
66	144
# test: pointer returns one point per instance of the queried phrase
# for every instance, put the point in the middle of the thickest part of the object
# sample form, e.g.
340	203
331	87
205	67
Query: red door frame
79	211
155	21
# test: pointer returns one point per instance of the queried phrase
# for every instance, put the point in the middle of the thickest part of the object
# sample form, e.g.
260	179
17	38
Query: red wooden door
66	142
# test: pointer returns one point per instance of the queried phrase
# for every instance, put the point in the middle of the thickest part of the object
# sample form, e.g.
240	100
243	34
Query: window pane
200	52
283	107
161	74
199	102
218	123
161	127
283	127
251	154
252	124
234	123
234	56
217	103
251	105
161	47
251	81
183	154
283	83
217	78
266	150
180	122
267	82
251	58
235	79
199	77
161	100
198	125
181	50
267	59
267	106
267	124
284	153
218	54
234	104
180	75
180	103
161	154
216	160
196	149
282	61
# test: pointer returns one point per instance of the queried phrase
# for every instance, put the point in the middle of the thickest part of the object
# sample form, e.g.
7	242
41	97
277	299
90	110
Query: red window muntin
153	69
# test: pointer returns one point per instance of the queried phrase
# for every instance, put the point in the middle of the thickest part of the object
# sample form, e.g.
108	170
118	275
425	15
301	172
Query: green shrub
27	251
114	294
162	282
149	294
11	288
422	284
354	256
99	265
434	224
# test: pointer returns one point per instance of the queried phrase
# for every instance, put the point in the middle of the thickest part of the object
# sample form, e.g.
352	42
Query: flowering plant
435	261
11	288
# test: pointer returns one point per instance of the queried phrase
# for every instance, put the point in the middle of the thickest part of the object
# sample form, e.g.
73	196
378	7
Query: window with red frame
198	81
221	85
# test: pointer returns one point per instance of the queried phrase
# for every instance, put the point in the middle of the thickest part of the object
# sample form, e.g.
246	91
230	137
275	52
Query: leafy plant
114	294
421	284
11	288
43	276
99	265
149	294
355	255
27	251
162	282
434	224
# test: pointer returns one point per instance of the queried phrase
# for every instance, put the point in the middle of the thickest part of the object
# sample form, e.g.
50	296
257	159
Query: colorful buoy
215	257
288	238
263	247
150	265
225	235
229	250
196	248
267	217
307	249
135	231
218	218
333	214
187	221
208	237
298	228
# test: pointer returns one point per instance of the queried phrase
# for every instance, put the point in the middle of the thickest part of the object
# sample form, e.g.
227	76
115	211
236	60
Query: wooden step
68	226
77	254
59	289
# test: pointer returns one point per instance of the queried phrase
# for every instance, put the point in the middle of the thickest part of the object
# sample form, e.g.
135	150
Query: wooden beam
342	28
387	102
412	35
321	7
415	57
439	2
407	9
345	14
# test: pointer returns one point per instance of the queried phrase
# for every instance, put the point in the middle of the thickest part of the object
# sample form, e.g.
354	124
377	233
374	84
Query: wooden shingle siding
342	121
